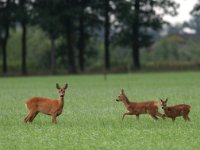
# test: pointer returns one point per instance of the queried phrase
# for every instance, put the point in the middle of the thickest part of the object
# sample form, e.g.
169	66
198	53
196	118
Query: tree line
123	22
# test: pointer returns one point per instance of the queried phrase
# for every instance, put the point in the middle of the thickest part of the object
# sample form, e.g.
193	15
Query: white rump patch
26	106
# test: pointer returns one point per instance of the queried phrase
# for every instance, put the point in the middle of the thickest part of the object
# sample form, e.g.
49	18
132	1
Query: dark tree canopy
118	22
136	18
7	17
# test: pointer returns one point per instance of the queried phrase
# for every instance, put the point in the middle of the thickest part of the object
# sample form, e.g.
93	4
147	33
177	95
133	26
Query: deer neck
126	102
61	101
164	108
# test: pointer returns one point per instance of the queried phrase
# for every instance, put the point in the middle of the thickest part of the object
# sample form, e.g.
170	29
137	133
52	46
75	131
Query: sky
184	12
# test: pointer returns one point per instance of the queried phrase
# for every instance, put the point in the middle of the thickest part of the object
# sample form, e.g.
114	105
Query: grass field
91	117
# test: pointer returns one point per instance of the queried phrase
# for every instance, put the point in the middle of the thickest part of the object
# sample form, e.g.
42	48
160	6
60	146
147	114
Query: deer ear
122	91
166	100
161	100
66	85
57	86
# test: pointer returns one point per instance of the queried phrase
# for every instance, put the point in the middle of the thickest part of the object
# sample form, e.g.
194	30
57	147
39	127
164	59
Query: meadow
91	118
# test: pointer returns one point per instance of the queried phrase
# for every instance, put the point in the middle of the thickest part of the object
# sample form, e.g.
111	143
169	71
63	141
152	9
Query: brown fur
46	106
176	111
138	108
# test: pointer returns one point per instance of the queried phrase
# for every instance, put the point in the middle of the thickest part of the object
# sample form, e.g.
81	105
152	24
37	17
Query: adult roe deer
46	106
138	108
175	111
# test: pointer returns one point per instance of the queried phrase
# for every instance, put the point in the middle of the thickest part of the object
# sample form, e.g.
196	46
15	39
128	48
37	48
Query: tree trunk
4	51
6	35
81	41
53	57
106	36
24	49
71	56
135	45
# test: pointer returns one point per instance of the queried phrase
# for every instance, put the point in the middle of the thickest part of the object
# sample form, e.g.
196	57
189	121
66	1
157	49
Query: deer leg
27	119
128	113
54	118
173	119
188	118
33	116
160	115
164	116
137	116
186	115
154	117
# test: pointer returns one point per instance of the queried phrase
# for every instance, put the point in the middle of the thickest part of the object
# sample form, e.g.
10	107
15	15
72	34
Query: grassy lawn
91	117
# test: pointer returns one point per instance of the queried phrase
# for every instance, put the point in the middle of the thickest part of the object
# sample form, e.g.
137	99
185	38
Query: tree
103	12
23	18
107	33
67	13
88	25
135	35
195	21
81	38
196	9
1	26
45	15
138	17
5	17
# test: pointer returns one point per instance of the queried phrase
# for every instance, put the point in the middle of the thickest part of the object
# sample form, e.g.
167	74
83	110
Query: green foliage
44	14
37	46
121	56
51	18
194	24
174	48
38	51
196	9
91	117
149	19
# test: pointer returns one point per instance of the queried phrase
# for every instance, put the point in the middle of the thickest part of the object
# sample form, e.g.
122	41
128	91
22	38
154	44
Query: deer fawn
137	108
46	106
175	111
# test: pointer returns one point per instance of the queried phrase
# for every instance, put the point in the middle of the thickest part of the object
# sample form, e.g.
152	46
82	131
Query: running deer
46	106
138	108
175	111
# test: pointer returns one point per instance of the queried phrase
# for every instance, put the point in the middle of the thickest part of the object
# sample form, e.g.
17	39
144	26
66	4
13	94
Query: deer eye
62	91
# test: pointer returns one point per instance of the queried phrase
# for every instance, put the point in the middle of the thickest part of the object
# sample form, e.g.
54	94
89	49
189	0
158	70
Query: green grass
92	118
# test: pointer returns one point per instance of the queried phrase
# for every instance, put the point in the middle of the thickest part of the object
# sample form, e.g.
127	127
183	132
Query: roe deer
175	111
46	106
137	108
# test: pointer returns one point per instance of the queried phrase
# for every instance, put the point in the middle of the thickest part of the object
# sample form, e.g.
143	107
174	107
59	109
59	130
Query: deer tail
26	105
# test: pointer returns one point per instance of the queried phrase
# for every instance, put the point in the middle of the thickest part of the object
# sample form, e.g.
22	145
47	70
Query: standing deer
46	106
175	111
138	108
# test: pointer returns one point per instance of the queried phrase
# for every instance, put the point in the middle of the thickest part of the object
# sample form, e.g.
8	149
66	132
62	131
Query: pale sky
184	11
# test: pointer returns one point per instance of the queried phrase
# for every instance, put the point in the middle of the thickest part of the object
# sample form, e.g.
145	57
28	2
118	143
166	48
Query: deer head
163	103
61	91
121	96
